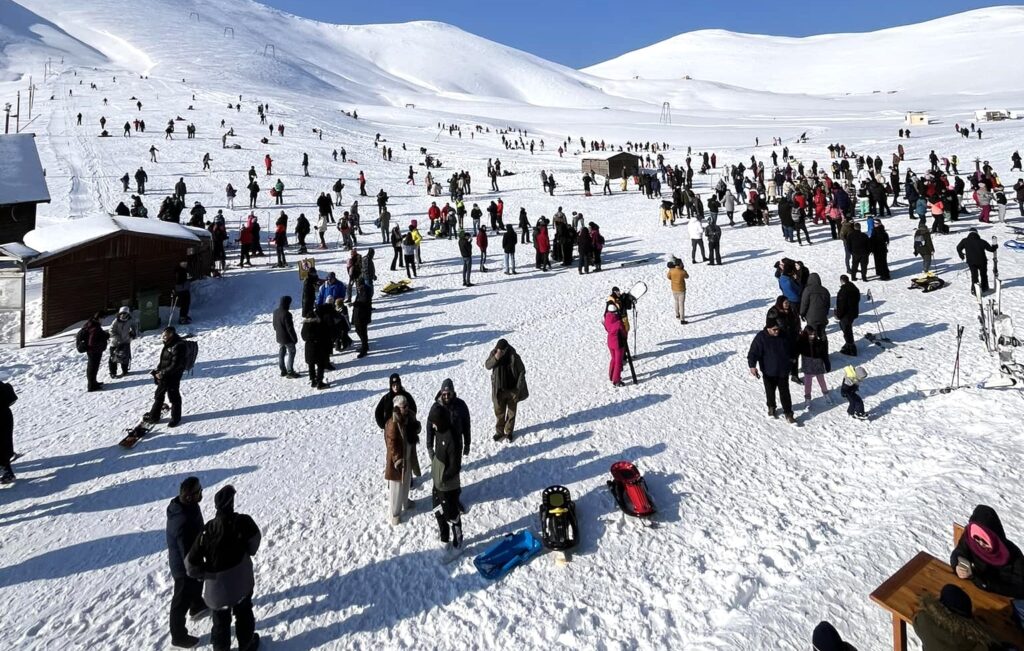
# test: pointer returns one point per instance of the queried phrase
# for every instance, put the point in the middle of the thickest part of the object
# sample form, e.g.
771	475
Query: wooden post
899	634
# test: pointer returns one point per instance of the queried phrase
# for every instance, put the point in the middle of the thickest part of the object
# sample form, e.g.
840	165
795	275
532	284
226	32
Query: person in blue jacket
770	351
789	285
330	291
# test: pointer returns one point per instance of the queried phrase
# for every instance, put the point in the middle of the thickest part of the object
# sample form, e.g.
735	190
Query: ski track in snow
764	528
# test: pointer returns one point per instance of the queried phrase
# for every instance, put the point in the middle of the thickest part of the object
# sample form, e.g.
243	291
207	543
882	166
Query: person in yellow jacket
667	216
677	277
416	240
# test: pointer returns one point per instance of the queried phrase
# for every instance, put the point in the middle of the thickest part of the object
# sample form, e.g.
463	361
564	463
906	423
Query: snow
21	175
764	528
62	236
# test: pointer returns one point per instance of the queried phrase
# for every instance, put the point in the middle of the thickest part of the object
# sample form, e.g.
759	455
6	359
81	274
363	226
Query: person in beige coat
677	276
401	434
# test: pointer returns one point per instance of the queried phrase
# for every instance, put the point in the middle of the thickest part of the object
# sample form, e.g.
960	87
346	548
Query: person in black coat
508	245
301	231
847	310
880	250
184	524
986	557
95	343
317	332
771	352
860	249
309	289
361	311
167	376
7	398
972	249
385	406
284	330
585	246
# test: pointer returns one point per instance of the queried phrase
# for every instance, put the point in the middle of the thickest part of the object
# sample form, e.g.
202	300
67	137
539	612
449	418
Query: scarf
997	556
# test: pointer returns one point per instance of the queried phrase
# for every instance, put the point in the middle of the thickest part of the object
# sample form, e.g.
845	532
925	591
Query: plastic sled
929	283
558	527
399	287
505	555
1014	244
630	490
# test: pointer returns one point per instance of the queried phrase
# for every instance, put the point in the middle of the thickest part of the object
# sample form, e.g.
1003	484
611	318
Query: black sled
558	527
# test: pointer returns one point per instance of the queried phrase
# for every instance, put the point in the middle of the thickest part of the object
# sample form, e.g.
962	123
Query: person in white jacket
695	229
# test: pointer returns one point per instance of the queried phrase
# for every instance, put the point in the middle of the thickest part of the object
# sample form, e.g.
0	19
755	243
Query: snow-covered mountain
954	54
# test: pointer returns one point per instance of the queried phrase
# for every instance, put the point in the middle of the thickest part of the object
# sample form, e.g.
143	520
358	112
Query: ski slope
764	528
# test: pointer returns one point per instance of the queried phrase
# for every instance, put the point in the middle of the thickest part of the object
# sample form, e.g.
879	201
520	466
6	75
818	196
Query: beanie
956	600
189	486
826	638
224	500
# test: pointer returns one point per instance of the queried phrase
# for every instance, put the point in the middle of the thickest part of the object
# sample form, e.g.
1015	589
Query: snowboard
135	434
636	263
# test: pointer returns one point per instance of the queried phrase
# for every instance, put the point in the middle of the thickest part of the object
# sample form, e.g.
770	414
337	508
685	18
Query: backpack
82	340
919	243
191	349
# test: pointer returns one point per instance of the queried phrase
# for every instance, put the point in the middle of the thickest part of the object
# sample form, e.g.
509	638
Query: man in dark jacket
7	398
96	342
446	450
508	245
361	311
585	246
972	249
815	303
222	558
771	351
508	387
183	292
284	329
309	290
301	231
184	523
466	252
860	248
167	376
847	309
385	406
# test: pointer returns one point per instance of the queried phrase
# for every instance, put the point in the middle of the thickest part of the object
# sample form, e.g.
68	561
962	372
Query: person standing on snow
167	376
972	249
508	387
184	524
7	398
466	253
814	304
696	232
361	311
222	558
481	243
446	451
770	350
813	349
122	331
284	331
616	343
401	434
677	276
92	340
847	310
508	245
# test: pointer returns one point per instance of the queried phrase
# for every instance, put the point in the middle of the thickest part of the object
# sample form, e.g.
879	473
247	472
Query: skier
813	348
986	557
401	434
92	340
508	387
677	276
770	350
7	398
448	441
284	331
167	376
850	388
972	249
184	524
847	310
222	558
616	343
122	331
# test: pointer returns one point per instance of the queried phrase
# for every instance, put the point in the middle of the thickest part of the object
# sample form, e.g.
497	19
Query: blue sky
579	33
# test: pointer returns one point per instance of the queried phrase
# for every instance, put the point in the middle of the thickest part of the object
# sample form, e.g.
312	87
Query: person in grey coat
284	330
122	331
815	303
508	387
184	523
222	558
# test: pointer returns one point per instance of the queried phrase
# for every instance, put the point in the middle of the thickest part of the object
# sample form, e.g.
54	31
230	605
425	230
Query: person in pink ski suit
616	336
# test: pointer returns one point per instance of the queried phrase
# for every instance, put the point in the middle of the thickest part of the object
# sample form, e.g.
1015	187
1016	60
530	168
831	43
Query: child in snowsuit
850	388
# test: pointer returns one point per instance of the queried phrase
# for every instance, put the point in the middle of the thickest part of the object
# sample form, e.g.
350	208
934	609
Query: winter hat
826	638
395	377
772	321
448	386
189	486
412	224
956	600
124	310
224	500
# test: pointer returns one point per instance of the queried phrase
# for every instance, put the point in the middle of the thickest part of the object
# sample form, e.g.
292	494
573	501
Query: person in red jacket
481	243
268	162
433	214
246	239
597	242
542	243
501	211
819	206
616	343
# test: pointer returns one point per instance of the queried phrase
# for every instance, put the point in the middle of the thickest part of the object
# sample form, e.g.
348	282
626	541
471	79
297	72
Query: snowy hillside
931	58
763	528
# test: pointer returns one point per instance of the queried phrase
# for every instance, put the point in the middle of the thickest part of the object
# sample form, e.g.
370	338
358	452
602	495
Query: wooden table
924	574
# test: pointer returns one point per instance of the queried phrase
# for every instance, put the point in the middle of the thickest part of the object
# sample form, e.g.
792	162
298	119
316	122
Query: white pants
399	492
679	301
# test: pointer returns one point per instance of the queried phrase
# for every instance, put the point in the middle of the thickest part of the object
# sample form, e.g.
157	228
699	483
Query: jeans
187	596
694	244
281	261
510	263
771	384
286	358
396	259
245	625
715	252
410	266
483	259
926	263
467	268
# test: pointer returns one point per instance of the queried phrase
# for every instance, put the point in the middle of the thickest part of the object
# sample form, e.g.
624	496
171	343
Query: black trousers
396	259
184	304
364	339
860	261
93	367
449	519
302	242
979	271
882	264
714	252
187	597
780	384
245	625
846	325
167	388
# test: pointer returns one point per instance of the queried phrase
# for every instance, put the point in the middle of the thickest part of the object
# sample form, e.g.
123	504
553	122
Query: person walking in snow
122	331
222	558
677	276
167	376
7	398
284	331
184	524
92	340
770	351
972	249
401	435
851	391
305	164
813	349
616	331
508	387
695	229
140	180
508	245
814	304
447	445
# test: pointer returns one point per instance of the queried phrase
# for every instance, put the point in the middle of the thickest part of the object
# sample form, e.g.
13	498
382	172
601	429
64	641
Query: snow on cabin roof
67	235
609	156
21	173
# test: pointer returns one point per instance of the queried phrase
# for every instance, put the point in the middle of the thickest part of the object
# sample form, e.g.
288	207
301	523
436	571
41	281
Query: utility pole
31	97
17	116
7	121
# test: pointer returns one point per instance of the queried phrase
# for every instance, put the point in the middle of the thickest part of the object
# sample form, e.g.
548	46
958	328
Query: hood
973	235
447	385
986	517
959	628
813	280
286	302
778	303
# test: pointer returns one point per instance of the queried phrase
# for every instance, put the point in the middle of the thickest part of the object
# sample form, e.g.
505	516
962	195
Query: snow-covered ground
765	528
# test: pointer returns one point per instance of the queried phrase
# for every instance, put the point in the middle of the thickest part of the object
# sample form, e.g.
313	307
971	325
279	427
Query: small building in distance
22	185
915	118
994	115
612	166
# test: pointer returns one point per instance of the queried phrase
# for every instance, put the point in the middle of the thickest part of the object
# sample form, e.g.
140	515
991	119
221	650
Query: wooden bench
901	595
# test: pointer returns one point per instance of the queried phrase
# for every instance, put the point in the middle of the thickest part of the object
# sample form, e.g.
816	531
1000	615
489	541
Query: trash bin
149	309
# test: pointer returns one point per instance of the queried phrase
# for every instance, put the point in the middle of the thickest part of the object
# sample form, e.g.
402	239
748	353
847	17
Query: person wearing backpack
7	398
92	340
222	558
167	375
923	247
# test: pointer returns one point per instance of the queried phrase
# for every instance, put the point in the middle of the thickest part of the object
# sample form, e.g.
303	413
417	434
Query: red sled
630	490
273	192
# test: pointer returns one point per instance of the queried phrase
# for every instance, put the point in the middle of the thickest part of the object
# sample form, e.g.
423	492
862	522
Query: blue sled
503	556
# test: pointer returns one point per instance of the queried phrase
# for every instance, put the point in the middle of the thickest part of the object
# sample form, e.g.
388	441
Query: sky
578	33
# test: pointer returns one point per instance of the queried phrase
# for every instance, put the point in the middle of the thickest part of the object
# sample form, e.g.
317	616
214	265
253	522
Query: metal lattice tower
666	113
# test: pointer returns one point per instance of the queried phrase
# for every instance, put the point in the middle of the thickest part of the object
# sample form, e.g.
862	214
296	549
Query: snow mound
27	38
